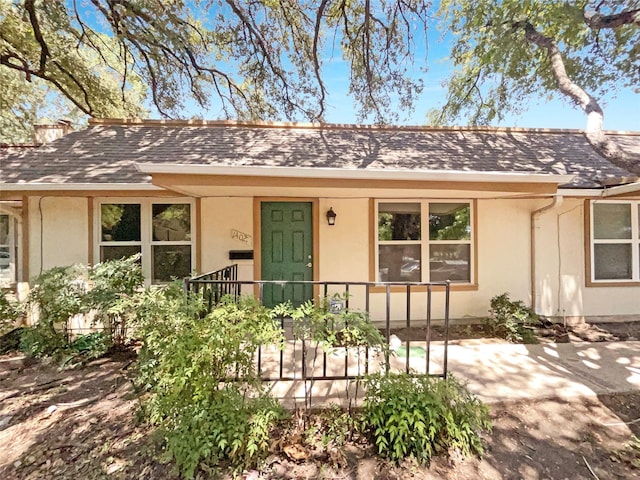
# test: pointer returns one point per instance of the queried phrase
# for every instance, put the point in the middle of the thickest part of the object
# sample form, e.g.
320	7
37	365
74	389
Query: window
7	249
159	230
615	241
404	239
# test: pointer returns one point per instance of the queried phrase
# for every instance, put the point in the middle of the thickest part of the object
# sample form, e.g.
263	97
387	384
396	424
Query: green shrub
43	341
346	328
421	417
92	345
222	428
113	283
201	376
106	290
11	311
57	296
509	319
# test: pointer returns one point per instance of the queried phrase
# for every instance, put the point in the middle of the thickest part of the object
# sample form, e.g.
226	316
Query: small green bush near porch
509	319
420	417
102	291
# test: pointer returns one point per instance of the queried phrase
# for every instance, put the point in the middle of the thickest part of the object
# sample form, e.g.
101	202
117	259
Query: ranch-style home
536	213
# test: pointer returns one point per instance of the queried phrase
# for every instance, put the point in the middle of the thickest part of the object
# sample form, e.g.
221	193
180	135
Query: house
536	213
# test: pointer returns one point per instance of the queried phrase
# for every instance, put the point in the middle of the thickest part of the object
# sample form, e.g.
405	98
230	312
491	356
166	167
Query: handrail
213	290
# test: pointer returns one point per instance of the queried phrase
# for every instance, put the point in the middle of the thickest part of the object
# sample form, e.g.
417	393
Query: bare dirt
81	423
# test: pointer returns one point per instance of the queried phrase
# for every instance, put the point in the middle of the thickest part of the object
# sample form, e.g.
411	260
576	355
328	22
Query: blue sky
622	110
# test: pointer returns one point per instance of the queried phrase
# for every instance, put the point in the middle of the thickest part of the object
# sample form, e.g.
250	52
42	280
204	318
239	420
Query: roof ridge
333	126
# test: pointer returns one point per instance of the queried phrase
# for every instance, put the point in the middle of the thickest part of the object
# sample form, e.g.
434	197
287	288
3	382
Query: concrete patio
497	371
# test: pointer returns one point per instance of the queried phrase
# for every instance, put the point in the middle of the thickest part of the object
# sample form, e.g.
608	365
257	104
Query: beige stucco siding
58	232
344	247
561	289
226	224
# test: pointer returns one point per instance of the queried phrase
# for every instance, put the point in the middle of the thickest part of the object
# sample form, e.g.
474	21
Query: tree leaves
254	60
498	69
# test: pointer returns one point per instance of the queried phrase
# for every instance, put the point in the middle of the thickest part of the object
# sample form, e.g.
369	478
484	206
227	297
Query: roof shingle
107	152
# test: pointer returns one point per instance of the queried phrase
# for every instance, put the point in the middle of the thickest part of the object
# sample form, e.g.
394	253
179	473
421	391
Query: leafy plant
112	283
421	417
509	319
92	345
103	292
56	297
42	341
11	310
201	376
223	427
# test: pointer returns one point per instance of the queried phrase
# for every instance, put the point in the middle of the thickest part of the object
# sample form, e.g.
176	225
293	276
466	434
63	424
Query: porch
302	363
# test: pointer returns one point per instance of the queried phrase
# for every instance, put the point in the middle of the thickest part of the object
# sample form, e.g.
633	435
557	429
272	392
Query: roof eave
40	186
629	189
354	173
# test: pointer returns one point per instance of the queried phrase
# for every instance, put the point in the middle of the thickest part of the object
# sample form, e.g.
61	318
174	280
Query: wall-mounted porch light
331	216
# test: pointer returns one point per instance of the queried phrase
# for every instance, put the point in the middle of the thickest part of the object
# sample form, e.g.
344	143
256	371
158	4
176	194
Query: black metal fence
298	360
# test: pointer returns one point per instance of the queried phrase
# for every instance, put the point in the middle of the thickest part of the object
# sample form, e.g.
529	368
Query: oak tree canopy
267	59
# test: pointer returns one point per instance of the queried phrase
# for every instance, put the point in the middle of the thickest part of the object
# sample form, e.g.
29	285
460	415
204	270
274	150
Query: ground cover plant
421	417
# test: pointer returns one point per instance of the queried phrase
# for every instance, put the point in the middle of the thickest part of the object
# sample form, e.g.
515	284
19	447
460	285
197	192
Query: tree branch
29	6
594	133
597	21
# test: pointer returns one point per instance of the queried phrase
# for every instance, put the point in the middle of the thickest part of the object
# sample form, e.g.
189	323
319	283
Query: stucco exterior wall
561	289
59	235
58	232
225	223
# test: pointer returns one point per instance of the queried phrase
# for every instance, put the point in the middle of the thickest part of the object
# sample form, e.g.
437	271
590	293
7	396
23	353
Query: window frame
146	243
12	249
591	242
425	242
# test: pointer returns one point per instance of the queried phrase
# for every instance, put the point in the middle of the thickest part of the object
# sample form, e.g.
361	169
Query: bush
421	417
113	283
509	320
58	294
93	345
224	427
345	328
11	311
201	377
43	341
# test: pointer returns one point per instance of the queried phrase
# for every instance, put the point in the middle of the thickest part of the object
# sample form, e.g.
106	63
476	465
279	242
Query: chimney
45	133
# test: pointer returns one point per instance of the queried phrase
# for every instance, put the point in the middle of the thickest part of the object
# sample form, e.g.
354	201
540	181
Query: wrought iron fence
298	360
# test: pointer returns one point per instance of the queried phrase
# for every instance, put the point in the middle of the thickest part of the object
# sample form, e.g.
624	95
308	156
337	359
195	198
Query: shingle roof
106	152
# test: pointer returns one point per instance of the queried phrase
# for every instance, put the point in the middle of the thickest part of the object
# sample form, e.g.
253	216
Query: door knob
309	264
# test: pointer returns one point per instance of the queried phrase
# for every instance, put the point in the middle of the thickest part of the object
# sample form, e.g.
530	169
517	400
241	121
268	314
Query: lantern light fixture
331	216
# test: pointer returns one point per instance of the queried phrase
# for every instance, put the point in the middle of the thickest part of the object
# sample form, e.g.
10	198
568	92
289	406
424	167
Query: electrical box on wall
240	254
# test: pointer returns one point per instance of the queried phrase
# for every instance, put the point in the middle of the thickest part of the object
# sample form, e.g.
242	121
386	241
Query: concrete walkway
501	371
498	372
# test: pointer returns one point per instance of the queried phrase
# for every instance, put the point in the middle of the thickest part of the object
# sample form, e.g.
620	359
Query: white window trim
146	242
634	241
425	241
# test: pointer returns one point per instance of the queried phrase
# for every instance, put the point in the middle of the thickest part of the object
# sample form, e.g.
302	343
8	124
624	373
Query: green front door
287	247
